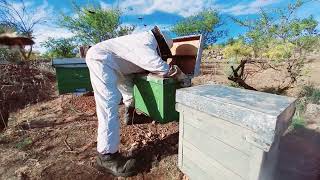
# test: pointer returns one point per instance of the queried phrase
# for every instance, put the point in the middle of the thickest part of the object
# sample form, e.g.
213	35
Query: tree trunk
237	76
25	55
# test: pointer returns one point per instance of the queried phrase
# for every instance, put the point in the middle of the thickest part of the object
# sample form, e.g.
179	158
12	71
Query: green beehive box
72	75
155	97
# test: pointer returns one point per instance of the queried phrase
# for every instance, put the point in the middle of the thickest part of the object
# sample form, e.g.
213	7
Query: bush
59	48
298	121
278	40
11	55
311	94
237	50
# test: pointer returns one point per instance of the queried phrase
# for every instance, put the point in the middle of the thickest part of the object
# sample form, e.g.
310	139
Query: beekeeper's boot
116	164
128	115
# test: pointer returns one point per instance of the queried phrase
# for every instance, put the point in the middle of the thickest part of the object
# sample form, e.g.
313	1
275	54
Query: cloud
186	8
44	32
105	5
141	28
250	8
183	8
30	12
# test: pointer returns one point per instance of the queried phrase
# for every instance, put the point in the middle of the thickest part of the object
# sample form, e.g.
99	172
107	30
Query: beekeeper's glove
176	73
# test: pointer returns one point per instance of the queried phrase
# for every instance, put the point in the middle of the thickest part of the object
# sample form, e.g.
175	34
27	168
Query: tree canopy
279	38
60	48
205	23
94	24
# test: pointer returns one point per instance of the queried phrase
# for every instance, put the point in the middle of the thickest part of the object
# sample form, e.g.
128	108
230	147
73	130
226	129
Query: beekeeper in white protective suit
111	64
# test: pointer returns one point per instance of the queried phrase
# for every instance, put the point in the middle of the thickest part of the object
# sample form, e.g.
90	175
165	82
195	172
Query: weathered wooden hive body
229	133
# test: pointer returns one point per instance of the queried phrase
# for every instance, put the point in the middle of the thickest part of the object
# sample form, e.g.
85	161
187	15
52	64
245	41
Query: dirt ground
21	85
56	139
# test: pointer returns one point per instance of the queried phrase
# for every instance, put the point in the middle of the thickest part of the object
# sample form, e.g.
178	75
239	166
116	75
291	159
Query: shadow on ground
299	155
154	151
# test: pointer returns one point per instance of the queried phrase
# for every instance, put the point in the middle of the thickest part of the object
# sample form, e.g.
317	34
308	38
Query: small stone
312	111
135	144
313	126
149	134
162	136
144	142
312	108
71	118
185	177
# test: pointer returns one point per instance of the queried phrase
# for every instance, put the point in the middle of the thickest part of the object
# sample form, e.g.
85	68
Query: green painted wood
155	97
73	79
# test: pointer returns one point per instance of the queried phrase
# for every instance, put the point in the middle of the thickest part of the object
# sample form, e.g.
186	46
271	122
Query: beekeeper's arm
147	58
152	62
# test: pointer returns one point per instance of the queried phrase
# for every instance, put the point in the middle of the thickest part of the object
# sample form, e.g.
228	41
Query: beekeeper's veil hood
164	41
168	39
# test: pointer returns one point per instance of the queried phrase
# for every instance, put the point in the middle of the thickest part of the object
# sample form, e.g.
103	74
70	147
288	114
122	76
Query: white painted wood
213	146
256	111
194	172
263	165
226	155
213	168
180	150
231	134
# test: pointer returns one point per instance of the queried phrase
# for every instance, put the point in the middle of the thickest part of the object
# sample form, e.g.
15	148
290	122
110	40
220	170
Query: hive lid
187	53
69	62
265	114
156	79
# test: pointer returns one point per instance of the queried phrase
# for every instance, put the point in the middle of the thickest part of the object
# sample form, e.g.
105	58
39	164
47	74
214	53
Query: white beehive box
230	133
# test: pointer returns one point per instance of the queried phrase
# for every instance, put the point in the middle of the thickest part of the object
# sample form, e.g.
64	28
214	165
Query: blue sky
163	13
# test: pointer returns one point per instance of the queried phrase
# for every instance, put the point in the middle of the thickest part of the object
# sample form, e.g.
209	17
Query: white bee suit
110	64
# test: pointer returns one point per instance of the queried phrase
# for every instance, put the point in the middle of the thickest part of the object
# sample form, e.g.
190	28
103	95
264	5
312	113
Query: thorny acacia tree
276	40
60	48
22	19
205	23
94	24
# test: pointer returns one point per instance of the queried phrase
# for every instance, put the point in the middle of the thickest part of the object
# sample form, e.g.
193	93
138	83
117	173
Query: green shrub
23	143
311	94
298	121
11	55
